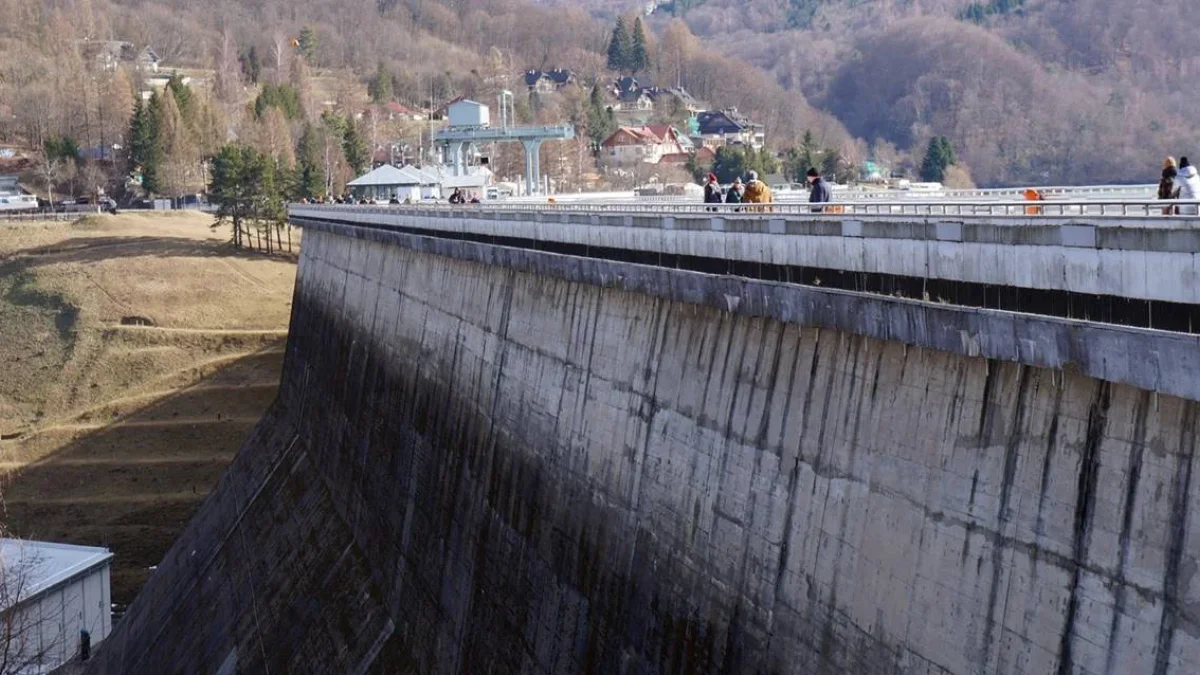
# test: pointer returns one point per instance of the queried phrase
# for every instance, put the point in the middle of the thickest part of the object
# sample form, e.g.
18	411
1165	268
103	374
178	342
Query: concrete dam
562	441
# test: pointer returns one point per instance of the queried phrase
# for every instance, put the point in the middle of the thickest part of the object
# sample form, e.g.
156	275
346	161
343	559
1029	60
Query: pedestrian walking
712	192
756	192
734	194
819	191
1189	187
1166	185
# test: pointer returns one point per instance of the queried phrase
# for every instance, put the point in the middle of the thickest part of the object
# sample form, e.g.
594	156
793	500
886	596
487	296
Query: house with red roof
646	144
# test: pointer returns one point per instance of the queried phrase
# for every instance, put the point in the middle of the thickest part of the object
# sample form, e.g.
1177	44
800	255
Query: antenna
507	108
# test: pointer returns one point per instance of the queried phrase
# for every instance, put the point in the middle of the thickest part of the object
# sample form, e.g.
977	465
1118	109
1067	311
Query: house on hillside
647	144
148	60
719	128
548	81
107	55
704	157
632	95
663	97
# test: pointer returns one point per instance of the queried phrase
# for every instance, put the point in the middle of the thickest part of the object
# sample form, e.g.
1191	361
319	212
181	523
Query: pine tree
620	47
639	55
307	43
355	147
182	95
380	86
938	157
248	190
229	190
730	164
145	149
600	123
310	165
252	65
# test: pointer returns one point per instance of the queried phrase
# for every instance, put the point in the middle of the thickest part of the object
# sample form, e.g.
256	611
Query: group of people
1182	182
754	191
460	197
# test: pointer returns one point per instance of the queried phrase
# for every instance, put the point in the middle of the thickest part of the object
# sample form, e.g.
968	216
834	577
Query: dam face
486	459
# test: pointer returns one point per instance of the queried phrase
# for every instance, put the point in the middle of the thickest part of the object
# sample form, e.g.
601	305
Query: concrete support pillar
533	166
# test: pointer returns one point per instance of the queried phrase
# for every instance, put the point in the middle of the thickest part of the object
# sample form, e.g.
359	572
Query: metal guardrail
1174	211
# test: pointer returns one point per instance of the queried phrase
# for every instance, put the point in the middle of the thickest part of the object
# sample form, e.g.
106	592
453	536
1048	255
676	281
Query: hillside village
147	131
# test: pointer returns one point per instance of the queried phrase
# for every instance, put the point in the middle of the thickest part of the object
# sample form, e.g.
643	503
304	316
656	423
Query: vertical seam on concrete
1085	504
1180	499
662	314
1012	448
1133	476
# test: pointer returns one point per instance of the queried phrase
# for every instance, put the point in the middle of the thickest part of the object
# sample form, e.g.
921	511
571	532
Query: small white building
387	182
51	597
414	184
467	114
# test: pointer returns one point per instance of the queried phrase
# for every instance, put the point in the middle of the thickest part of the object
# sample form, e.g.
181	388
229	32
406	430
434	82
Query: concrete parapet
1135	258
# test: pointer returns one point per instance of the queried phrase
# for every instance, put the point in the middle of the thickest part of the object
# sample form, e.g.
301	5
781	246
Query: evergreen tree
251	65
310	164
730	164
831	165
380	86
247	188
182	95
307	43
61	148
639	56
698	170
620	47
809	152
938	157
600	122
283	96
358	157
229	190
145	150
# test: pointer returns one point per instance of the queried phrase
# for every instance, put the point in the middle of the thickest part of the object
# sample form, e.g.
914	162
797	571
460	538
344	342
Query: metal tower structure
458	139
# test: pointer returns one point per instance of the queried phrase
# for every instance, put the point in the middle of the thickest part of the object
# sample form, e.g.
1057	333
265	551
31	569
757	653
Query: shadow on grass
134	483
97	249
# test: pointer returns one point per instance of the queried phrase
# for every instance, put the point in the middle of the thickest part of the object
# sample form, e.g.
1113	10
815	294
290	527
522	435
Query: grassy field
136	352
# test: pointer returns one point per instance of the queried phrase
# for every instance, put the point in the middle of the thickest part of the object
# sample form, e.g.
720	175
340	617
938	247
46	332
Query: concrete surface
1139	258
488	460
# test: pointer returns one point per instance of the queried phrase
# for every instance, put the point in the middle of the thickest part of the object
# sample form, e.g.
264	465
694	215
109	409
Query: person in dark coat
734	194
712	192
1166	185
820	192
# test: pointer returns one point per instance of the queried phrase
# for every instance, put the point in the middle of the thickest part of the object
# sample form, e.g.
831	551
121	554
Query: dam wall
486	459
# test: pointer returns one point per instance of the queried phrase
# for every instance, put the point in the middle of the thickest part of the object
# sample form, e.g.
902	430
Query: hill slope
137	352
1028	90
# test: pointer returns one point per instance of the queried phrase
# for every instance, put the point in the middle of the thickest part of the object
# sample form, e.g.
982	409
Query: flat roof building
55	603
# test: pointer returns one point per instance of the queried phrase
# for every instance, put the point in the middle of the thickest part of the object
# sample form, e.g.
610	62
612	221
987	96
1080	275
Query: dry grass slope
136	352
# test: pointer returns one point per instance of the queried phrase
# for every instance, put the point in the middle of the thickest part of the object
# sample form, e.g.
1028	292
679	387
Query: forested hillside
1027	90
429	52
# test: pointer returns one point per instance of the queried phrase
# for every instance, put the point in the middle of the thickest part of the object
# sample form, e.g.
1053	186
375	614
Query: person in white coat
1188	182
